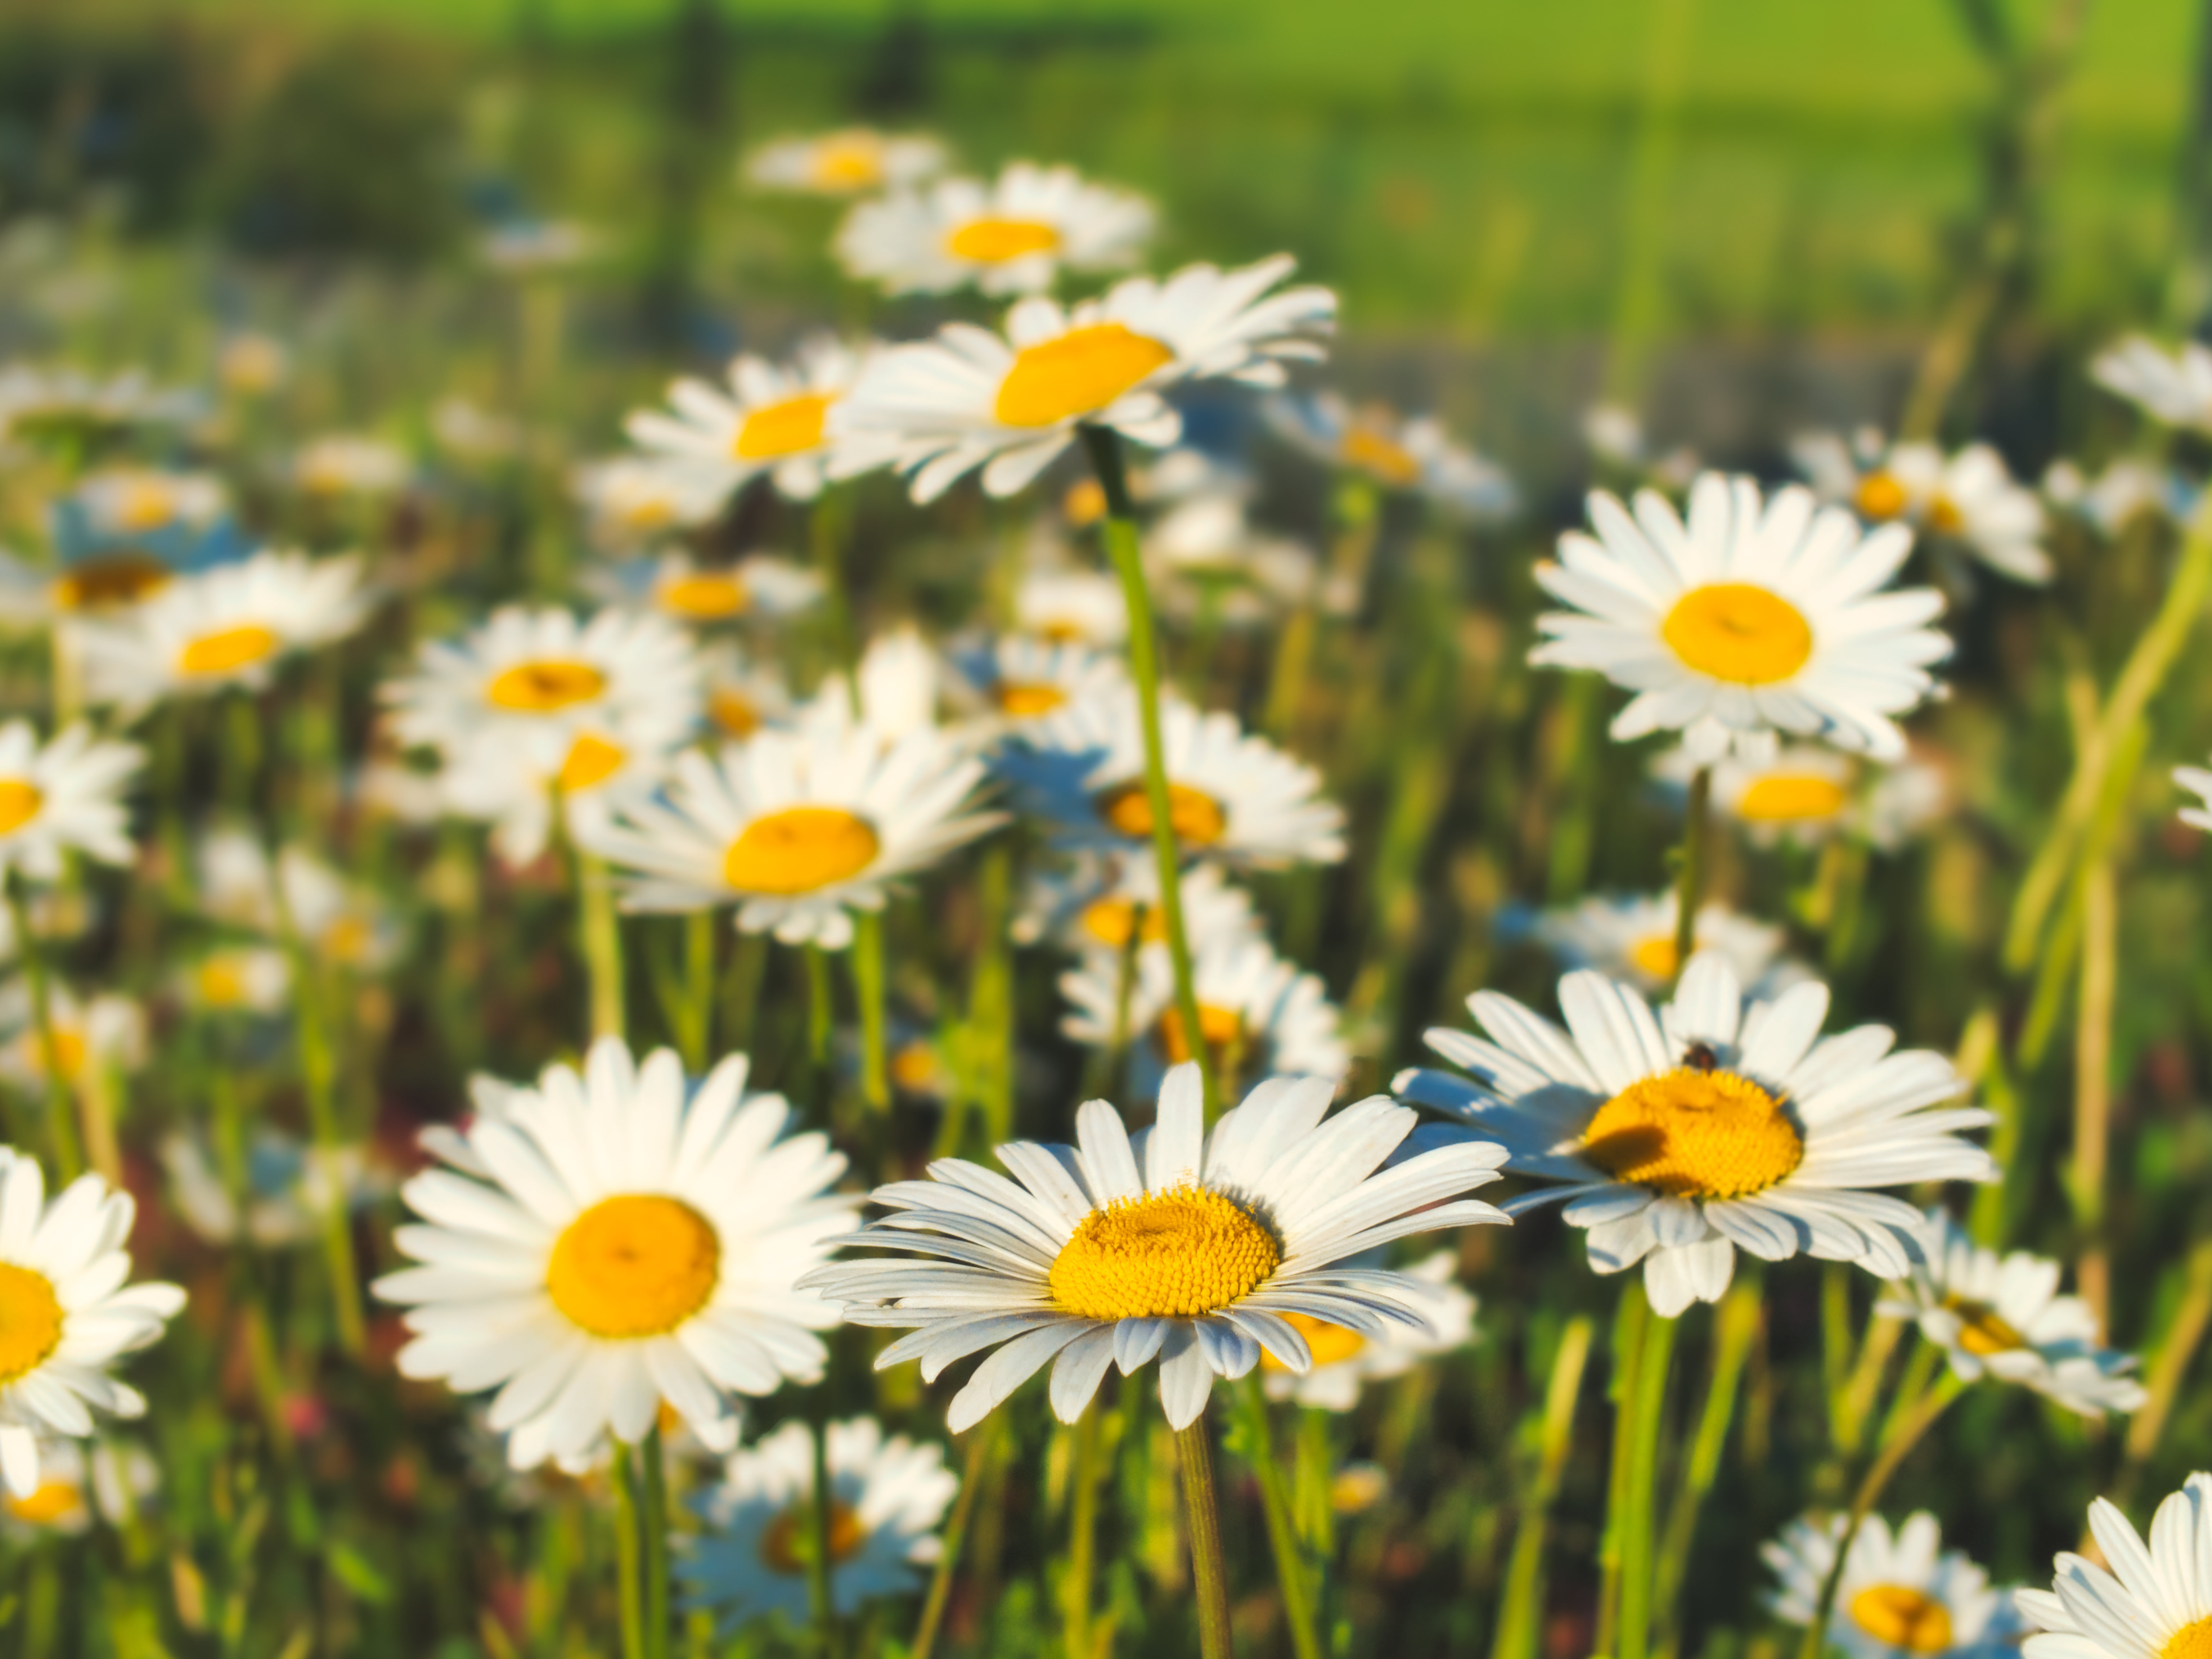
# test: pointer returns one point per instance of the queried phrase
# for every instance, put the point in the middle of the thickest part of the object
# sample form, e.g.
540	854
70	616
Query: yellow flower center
144	504
1689	1133
788	1544
638	1265
228	650
20	801
1172	1255
1898	1616
1194	816
30	1320
1076	374
2191	1641
1790	797
592	760
1330	1345
1656	957
54	1501
1981	1331
1880	496
1025	700
735	712
347	939
790	428
70	1051
1109	920
221	985
104	584
646	512
915	1068
1738	632
1944	516
1084	502
1371	452
1217	1026
799	850
993	241
543	687
707	596
854	161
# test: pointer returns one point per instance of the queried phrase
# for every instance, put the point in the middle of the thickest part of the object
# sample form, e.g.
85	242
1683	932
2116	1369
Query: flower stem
602	943
1629	1322
818	1562
61	1106
1735	1324
980	1446
698	1037
1120	530
1646	1422
1291	1565
629	1588
1520	1613
652	1535
1690	887
2093	1081
817	1006
1209	1573
1083	1534
868	990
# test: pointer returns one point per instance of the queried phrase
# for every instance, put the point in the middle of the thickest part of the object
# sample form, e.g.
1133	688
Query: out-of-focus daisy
1344	1361
222	628
125	503
1077	607
1207	560
1009	405
631	1247
342	923
742	696
1749	620
1092	906
66	1315
348	464
1014	236
1011	681
61	797
1358	1487
104	1030
2142	1603
1232	795
634	500
1632	937
758	588
119	1476
2199	782
898	680
252	365
1616	434
237	980
468	432
887	1498
1901	1594
289	1187
1805	794
2115	497
1968	497
1177	1243
1712	1125
2002	1316
68	406
2175	389
1398	451
851	161
799	828
602	775
772	420
523	246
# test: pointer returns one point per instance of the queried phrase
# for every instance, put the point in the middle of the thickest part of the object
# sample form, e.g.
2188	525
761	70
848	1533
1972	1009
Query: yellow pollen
915	1068
1218	1026
1194	816
788	1543
1656	957
790	428
54	1501
1172	1255
592	760
638	1265
1330	1345
20	801
993	241
104	584
850	162
1738	632
734	713
1108	921
1944	516
1026	702
69	1050
1790	797
144	504
705	597
229	650
1688	1133
30	1320
2191	1641
1980	1329
222	985
1084	502
540	688
1076	374
1898	1616
1388	460
799	850
347	939
1880	496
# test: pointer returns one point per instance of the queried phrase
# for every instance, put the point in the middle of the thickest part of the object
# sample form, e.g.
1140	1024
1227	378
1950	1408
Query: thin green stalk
1119	531
653	1535
2169	1366
696	1039
1854	1405
990	1050
2093	1080
1209	1572
1521	1612
629	1585
1629	1323
826	525
1647	1423
1735	1323
1690	886
818	1560
868	990
818	1005
1083	1534
1300	1588
602	943
980	1444
741	1006
61	1105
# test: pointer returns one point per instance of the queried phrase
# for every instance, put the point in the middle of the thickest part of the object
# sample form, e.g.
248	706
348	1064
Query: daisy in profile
237	979
1805	794
851	161
1092	905
1073	607
123	503
341	922
1412	453
347	463
1750	620
1900	1594
1177	1243
2125	490
2176	389
66	1315
771	420
632	501
251	365
1209	563
603	773
629	1247
887	1499
103	1032
66	406
742	695
224	628
1682	1134
65	796
120	1477
1969	498
798	828
2002	1316
938	410
2152	1602
1015	236
1344	1361
2199	782
756	588
1232	795
1008	683
1632	937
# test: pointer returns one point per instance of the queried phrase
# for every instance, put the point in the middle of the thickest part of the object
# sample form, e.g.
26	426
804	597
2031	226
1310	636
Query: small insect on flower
2154	1600
1899	1596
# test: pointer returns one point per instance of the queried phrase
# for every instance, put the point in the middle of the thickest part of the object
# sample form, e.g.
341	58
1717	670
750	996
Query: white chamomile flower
1683	1135
603	773
1805	794
632	501
1632	937
887	1497
61	797
938	409
629	1248
1092	905
40	405
66	1314
1901	1596
1232	795
756	588
252	365
468	432
1013	681
225	627
742	696
1344	1361
798	828
238	979
289	1186
2125	490
119	1477
898	680
1015	236
116	504
348	464
1398	451
105	1031
340	922
772	420
2152	1602
851	161
1177	1243
2002	1316
1747	621
1074	607
2199	782
2175	389
1968	497
1208	562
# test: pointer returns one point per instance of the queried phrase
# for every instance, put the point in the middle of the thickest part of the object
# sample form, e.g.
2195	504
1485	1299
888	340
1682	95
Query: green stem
630	1586
653	1534
1520	1613
1647	1422
1690	887
741	1011
1735	1323
61	1105
1291	1563
817	1006
697	1036
602	943
868	990
980	1446
818	1593
1209	1573
826	526
1083	1534
1629	1323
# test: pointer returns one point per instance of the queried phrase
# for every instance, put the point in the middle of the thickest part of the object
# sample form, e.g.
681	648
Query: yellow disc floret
30	1320
993	241
228	651
800	849
638	1265
20	801
1738	632
1691	1134
1657	956
1196	816
1791	798
787	1543
1898	1616
790	428
705	595
1172	1255
1372	452
543	686
1026	700
1981	1330
109	582
1880	496
2191	1641
1076	374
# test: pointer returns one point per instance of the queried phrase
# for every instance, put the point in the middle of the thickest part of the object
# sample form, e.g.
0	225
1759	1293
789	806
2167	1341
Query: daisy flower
119	1477
758	588
1682	1135
223	628
2175	389
108	1031
340	922
66	1315
2152	1602
603	774
1398	451
1968	497
1015	236
773	421
125	502
798	828
1748	620
2002	1316
1011	682
1073	607
631	501
2117	496
896	679
1232	795
887	1498
51	405
1344	1361
742	697
1900	1594
1805	794
630	1246
1207	562
939	408
63	797
1092	906
1632	937
848	162
252	365
347	463
2199	782
1177	1243
238	979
